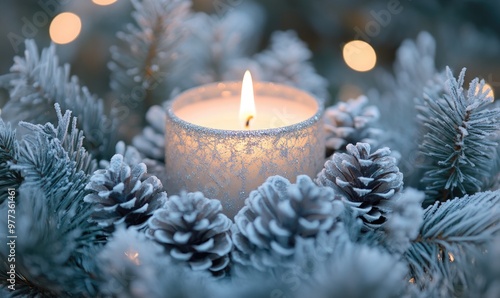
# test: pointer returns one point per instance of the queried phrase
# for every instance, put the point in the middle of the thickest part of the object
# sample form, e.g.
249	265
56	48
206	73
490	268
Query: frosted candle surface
209	149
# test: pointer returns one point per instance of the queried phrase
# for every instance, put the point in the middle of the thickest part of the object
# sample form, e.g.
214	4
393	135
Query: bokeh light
65	28
359	55
491	93
104	2
486	88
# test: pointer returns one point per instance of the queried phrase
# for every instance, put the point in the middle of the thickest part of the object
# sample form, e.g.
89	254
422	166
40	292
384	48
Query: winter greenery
37	81
349	123
460	144
93	221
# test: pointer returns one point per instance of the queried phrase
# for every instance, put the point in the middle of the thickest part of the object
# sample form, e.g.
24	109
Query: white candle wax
222	113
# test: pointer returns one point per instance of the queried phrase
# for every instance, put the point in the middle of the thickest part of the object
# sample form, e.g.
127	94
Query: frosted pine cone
350	122
278	215
366	180
192	228
121	197
151	142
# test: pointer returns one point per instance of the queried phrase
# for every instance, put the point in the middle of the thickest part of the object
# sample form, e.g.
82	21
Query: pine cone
192	228
366	180
131	155
121	197
151	142
278	215
350	122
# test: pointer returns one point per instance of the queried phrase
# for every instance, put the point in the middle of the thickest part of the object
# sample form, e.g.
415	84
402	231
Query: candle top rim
236	86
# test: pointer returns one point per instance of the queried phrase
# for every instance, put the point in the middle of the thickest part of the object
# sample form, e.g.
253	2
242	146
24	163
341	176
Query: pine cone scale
119	195
191	229
365	180
265	238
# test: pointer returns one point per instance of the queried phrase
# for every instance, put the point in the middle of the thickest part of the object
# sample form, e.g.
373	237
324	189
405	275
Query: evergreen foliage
414	71
37	81
356	270
130	265
286	61
217	42
349	123
151	141
459	142
149	51
356	232
451	232
54	258
9	153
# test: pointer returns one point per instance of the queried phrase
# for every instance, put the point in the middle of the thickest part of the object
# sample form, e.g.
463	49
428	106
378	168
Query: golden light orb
104	2
487	87
359	55
65	28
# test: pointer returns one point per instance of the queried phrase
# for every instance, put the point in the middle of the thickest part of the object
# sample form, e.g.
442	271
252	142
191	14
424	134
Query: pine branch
37	81
56	255
70	138
132	266
151	141
451	232
150	49
216	42
9	153
459	144
286	61
414	70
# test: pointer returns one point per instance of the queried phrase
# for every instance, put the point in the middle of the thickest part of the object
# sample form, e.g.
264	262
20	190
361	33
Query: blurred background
467	34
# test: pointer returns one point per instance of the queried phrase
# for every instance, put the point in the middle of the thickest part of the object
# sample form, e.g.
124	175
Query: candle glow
247	104
211	148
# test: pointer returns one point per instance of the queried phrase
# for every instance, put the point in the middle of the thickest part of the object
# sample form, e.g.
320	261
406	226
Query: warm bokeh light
451	257
104	2
133	256
491	94
65	28
359	55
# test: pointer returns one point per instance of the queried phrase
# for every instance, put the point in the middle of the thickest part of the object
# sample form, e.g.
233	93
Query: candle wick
247	124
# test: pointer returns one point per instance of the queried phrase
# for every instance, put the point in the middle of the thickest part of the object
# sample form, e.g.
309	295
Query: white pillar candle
225	148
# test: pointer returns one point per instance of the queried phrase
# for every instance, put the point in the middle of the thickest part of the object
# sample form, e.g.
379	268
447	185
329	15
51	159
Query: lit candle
224	141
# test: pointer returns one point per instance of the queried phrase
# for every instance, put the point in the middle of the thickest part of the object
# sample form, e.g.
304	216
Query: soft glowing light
451	257
247	104
359	55
104	2
65	28
133	256
487	88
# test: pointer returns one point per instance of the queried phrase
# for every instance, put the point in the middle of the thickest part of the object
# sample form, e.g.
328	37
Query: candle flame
247	104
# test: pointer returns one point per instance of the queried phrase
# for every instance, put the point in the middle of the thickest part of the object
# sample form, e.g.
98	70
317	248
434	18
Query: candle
225	139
